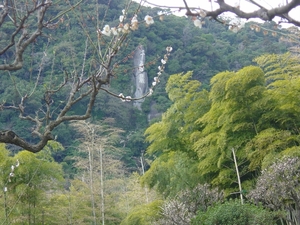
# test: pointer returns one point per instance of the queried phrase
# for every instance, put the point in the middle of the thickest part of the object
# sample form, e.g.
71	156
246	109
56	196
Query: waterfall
140	75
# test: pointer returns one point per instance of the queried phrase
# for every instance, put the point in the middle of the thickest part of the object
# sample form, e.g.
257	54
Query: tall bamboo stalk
238	175
90	149
101	184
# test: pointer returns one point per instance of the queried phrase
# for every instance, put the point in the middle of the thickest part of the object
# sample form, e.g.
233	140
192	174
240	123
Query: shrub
233	213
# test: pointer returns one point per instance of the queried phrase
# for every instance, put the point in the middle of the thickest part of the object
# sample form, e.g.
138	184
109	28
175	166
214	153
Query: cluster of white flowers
125	99
124	27
155	79
199	22
265	31
12	174
134	23
161	68
236	24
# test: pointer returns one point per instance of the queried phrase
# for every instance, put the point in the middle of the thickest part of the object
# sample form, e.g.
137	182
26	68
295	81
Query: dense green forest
226	103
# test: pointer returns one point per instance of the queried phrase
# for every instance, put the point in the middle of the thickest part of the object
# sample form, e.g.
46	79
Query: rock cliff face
140	76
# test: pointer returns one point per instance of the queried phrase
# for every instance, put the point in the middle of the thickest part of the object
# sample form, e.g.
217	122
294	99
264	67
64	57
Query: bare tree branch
23	35
262	13
21	29
78	84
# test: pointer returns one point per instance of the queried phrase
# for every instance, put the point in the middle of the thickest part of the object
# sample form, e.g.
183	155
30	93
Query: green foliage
190	144
266	146
168	134
241	111
27	178
278	67
72	206
144	214
204	51
233	213
230	122
172	172
176	168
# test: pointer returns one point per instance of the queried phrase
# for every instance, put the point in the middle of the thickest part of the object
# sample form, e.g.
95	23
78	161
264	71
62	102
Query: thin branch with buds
82	84
261	13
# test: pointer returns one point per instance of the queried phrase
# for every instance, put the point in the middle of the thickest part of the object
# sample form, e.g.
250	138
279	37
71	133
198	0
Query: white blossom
106	30
18	163
150	92
234	29
122	97
134	23
198	23
236	24
154	83
126	28
161	15
114	31
12	168
5	189
134	19
149	20
128	98
121	18
242	24
120	29
163	61
134	26
169	49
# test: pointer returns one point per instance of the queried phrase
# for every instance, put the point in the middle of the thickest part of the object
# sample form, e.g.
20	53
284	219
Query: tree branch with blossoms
155	81
80	84
281	11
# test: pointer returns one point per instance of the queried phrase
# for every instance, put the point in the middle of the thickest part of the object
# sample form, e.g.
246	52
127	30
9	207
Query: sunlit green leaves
27	177
279	67
144	214
172	172
258	118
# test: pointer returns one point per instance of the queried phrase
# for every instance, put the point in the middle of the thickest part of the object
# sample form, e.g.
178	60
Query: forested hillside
221	95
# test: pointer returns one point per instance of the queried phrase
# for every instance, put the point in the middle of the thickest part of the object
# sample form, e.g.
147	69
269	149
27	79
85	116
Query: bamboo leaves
254	110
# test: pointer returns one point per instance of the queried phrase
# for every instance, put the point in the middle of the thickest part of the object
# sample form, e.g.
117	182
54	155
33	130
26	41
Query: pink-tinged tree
278	188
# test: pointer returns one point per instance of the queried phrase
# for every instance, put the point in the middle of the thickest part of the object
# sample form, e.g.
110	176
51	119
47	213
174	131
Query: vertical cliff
140	75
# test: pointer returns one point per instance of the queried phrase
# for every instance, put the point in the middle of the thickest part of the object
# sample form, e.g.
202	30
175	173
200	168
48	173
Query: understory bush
233	213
